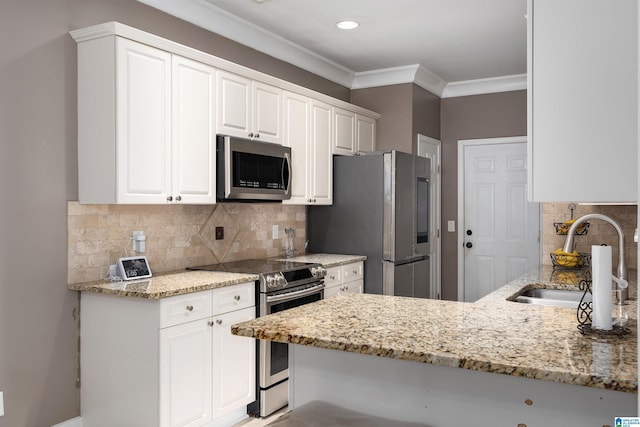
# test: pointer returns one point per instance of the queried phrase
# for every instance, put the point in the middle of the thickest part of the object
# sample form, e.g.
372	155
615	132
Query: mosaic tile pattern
178	236
599	232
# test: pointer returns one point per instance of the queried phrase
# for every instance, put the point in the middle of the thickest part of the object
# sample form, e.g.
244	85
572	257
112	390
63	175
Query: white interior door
500	228
430	148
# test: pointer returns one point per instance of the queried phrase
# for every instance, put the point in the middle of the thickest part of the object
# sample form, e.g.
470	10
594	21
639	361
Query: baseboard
74	422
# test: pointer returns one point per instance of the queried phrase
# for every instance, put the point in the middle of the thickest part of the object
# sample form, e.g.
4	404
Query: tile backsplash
177	236
600	232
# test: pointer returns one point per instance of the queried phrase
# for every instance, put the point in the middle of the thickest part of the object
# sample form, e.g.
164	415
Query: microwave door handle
286	162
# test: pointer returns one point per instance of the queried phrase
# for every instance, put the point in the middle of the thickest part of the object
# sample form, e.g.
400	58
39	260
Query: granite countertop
166	284
492	334
328	260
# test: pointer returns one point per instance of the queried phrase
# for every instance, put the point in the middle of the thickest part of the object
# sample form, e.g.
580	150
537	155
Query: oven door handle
295	294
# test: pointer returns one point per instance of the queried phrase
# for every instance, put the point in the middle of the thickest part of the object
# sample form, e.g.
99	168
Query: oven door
274	356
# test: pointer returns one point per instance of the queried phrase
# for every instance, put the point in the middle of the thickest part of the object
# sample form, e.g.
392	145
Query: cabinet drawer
351	272
234	297
185	308
333	277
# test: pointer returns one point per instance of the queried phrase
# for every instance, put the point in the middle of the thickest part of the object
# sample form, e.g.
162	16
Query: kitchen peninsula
552	375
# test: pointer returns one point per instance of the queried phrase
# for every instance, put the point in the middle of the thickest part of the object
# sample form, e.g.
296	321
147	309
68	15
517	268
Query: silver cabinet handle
219	322
169	198
210	323
250	134
332	277
178	198
237	297
189	308
257	135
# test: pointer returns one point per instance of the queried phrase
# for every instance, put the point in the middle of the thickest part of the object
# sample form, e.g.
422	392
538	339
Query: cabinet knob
250	134
178	198
257	135
219	322
332	277
355	271
169	198
210	323
189	308
237	297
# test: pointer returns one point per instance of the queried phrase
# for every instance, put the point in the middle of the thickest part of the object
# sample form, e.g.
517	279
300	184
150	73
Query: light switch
451	226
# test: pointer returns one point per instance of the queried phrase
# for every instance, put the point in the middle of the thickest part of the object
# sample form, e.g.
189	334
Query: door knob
469	245
469	232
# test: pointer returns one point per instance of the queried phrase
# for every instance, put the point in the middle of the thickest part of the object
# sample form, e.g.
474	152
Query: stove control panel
275	280
318	272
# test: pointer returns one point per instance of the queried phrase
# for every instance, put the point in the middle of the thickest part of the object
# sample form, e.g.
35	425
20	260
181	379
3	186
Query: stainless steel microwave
252	170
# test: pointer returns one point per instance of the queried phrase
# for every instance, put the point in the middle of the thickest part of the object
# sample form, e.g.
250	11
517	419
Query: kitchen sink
550	297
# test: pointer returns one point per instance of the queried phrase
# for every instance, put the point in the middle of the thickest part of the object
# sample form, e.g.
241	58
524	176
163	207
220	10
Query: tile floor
261	422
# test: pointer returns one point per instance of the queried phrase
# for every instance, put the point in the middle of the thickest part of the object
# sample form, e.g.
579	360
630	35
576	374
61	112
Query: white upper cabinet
353	132
321	180
248	108
146	125
344	138
143	123
307	130
583	74
365	134
194	131
149	110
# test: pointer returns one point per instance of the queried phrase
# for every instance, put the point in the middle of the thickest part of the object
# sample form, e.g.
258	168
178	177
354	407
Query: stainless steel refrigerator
381	210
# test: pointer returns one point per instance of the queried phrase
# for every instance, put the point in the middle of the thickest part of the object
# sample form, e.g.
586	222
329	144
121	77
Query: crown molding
397	75
482	86
219	21
214	19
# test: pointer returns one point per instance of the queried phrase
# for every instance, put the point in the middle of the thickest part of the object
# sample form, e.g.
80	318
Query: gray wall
479	116
38	174
407	109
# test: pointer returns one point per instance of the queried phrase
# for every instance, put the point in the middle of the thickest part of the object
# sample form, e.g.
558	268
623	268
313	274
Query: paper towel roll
601	286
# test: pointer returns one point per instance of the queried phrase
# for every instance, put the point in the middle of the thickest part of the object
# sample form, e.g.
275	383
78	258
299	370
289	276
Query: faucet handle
622	283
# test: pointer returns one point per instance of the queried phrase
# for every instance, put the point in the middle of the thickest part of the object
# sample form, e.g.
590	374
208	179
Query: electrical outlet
219	233
274	231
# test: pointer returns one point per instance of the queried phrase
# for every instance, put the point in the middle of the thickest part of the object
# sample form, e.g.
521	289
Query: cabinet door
234	368
344	131
353	287
321	180
583	133
234	104
332	291
143	123
365	134
296	135
194	132
267	113
185	374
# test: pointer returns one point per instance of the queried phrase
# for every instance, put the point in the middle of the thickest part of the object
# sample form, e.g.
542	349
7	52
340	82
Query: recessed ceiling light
347	25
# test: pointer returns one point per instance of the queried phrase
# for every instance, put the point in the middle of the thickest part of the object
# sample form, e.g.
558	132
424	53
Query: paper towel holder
585	311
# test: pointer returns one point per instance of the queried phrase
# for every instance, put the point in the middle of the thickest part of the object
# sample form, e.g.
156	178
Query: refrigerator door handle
410	260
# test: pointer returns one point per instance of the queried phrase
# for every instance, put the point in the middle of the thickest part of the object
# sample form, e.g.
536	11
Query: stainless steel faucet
621	293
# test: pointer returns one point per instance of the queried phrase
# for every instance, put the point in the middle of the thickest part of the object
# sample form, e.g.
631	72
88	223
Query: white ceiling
439	44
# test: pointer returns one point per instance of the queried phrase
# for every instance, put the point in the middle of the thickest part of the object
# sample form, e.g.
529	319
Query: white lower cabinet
344	279
167	363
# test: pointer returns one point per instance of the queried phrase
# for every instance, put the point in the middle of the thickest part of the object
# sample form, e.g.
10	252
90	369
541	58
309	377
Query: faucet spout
621	271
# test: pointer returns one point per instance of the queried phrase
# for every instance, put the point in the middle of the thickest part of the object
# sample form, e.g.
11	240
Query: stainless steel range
282	285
